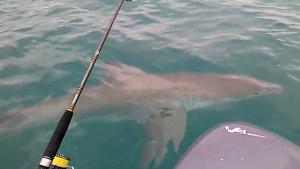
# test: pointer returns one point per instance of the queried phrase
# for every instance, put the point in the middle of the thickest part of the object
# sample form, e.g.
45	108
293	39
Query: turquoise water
46	45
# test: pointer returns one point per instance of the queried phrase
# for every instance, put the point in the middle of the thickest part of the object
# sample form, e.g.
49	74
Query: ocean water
45	46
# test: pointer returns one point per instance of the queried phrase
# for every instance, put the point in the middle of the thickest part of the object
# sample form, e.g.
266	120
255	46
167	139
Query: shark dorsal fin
117	68
117	72
129	77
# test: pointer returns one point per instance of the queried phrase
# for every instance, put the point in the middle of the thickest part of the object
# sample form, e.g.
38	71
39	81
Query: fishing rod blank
65	120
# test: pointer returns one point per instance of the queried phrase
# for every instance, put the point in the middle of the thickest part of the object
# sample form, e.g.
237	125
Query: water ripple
44	34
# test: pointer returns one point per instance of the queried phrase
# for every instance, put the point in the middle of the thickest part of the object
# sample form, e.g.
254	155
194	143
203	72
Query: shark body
158	101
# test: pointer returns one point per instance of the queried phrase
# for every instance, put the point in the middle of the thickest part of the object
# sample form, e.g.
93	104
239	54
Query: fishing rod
61	129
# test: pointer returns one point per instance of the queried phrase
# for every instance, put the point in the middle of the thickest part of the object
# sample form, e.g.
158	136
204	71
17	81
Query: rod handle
56	140
42	167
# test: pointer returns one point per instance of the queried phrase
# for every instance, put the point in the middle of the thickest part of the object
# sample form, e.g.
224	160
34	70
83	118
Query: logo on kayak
242	131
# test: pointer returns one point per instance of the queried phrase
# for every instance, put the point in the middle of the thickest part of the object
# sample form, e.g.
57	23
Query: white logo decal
243	132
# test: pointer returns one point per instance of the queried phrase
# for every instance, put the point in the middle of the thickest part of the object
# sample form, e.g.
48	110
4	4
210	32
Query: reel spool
61	161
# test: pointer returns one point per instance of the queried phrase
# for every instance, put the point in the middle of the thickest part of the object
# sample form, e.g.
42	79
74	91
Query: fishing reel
61	161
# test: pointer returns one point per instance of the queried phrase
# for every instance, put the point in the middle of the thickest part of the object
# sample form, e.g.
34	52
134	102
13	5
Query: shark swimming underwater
159	102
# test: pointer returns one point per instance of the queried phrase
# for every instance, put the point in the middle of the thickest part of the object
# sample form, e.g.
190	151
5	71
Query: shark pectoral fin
150	149
175	125
167	125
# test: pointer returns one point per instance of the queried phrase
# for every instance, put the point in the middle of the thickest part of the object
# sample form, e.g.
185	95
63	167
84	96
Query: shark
159	102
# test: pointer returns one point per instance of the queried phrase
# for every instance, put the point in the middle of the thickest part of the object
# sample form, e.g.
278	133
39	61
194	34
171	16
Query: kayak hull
240	146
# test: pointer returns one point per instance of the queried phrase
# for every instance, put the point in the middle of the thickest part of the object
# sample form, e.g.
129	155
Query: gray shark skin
159	102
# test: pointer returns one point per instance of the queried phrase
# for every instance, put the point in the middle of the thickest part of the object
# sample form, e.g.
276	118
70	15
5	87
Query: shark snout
271	88
274	88
263	87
